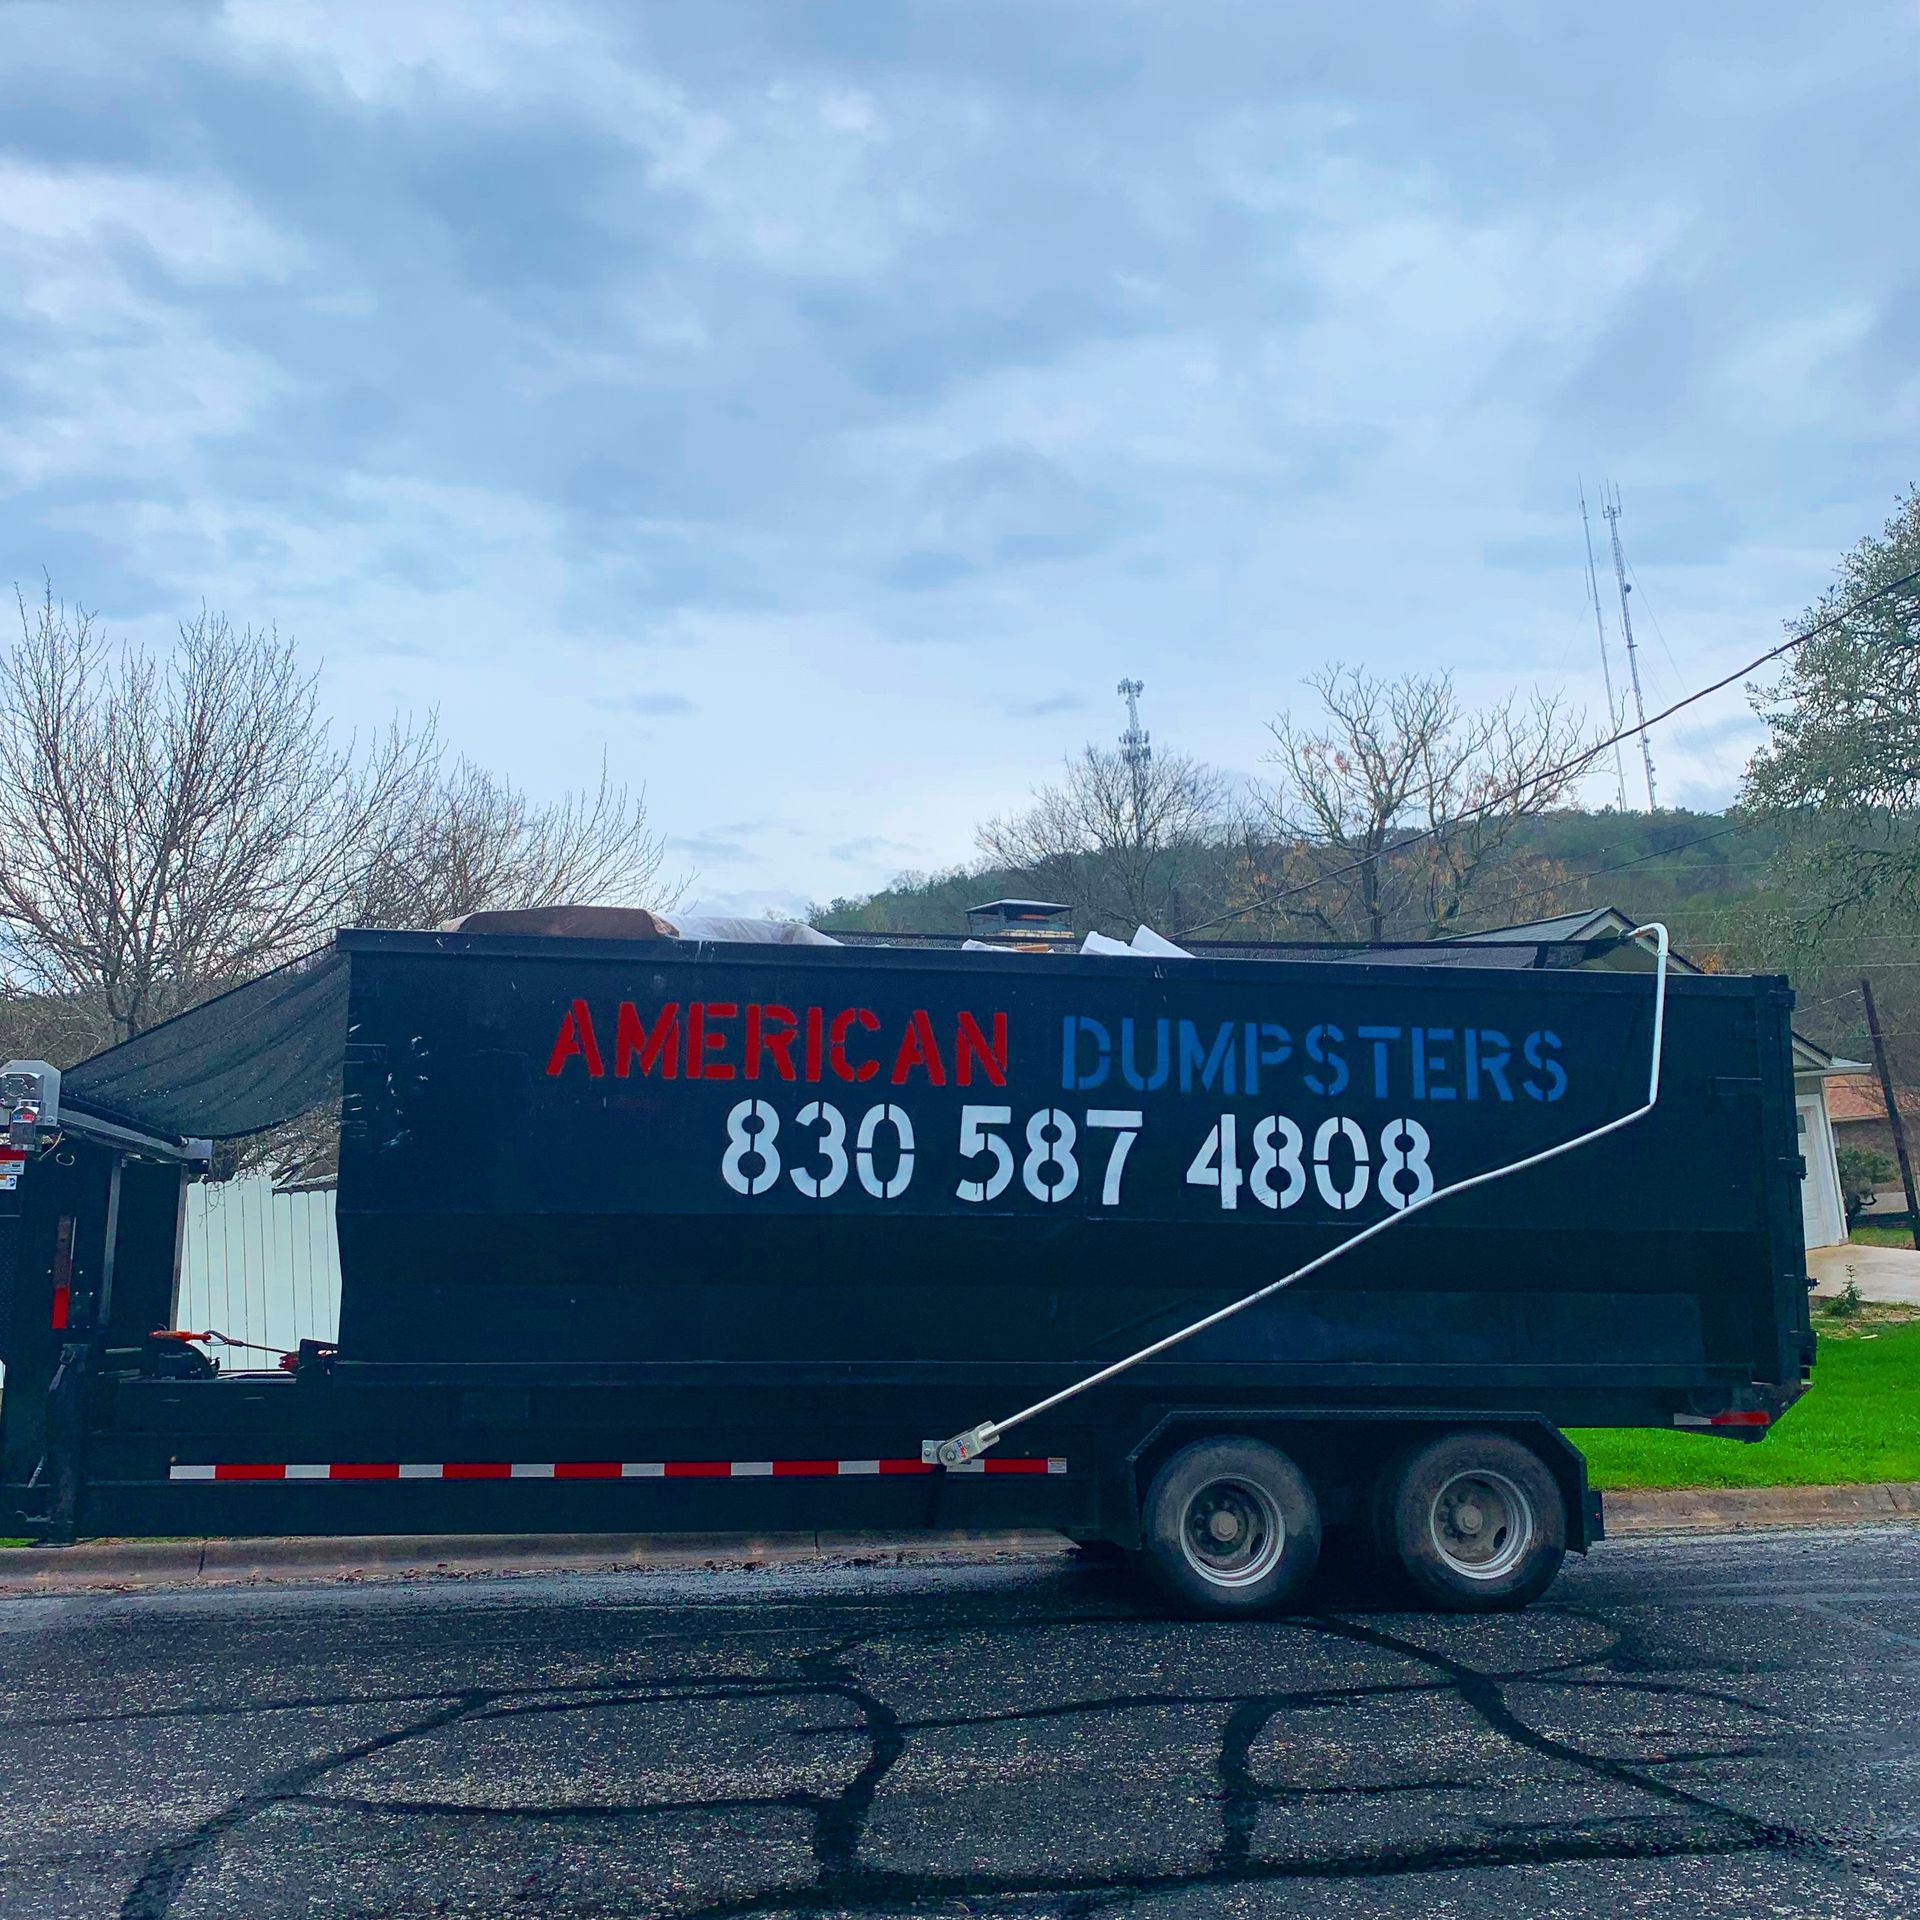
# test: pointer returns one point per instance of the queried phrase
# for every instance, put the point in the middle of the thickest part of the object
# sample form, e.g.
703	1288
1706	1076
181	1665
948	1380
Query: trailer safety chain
974	1441
212	1336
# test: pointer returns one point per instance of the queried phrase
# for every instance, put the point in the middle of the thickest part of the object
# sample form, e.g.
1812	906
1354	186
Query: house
1858	1111
1817	1074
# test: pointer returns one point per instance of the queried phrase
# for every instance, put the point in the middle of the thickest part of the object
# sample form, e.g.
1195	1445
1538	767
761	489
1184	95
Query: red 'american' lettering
722	1040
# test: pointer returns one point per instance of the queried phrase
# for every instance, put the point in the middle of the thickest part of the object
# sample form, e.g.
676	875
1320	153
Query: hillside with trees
1706	872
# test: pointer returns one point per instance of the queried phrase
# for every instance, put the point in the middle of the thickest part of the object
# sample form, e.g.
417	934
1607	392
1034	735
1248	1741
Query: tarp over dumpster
238	1064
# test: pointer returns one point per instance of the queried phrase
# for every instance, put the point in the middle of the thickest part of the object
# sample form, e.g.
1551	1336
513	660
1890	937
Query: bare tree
470	839
1404	805
1122	842
168	827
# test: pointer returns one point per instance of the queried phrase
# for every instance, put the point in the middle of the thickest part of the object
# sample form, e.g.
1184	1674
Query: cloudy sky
820	407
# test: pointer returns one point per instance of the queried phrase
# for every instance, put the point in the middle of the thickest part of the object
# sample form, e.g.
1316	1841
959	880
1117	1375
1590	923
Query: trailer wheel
1475	1521
1230	1527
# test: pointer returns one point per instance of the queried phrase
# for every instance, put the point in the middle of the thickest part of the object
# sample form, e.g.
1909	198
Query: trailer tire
1230	1527
1475	1522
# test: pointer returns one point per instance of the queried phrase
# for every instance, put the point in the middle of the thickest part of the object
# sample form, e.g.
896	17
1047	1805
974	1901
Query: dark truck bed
660	1236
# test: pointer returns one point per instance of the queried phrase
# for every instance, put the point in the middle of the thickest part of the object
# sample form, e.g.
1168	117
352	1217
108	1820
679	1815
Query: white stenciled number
1403	1157
870	1123
1050	1138
1276	1149
831	1146
751	1128
975	1139
1126	1124
1341	1199
1217	1164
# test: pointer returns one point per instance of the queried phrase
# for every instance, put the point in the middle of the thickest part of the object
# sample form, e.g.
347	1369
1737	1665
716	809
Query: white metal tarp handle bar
976	1440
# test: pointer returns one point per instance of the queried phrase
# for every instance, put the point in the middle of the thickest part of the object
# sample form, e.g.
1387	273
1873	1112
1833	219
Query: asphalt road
1725	1727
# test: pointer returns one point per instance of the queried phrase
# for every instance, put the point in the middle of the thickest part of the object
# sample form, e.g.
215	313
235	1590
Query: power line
1658	853
1711	750
1830	1000
1585	759
1879	966
1695	866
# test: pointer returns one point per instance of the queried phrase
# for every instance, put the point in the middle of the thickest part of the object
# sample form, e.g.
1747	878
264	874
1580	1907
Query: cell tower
1606	662
1136	747
1611	508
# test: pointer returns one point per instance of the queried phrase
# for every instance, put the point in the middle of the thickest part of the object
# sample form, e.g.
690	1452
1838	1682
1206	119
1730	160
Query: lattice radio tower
1610	506
1606	663
1136	744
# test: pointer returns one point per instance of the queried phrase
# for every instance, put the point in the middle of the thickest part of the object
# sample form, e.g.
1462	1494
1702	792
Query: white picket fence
260	1265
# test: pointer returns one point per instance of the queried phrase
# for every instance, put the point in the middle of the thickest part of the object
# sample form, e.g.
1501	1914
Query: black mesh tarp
251	1059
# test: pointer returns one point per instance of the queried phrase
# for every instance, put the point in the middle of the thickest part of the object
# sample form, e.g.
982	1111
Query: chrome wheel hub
1482	1524
1232	1533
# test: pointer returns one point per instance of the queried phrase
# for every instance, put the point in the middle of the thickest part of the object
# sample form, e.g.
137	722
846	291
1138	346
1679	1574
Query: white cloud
886	396
200	230
126	379
1791	369
795	175
379	52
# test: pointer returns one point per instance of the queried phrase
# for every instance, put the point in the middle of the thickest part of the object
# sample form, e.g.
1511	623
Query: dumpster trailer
1194	1255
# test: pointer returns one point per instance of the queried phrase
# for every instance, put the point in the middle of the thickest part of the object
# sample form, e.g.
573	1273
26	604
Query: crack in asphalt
1683	1822
841	1818
152	1896
1486	1696
1831	1610
884	1891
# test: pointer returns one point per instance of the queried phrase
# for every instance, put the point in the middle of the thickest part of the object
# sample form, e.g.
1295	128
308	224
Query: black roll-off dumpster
655	1234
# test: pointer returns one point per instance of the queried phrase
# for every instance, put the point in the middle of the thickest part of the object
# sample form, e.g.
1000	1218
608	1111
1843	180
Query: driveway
1887	1274
1725	1727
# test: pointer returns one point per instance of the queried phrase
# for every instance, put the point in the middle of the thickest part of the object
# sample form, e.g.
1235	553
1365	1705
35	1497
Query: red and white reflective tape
1734	1417
233	1470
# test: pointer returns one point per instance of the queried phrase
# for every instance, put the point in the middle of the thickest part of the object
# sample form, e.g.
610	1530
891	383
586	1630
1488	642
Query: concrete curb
126	1565
123	1565
1639	1511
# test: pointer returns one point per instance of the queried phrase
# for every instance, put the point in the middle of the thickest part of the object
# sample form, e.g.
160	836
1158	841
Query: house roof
1533	944
1857	1096
1562	926
1809	1057
1594	924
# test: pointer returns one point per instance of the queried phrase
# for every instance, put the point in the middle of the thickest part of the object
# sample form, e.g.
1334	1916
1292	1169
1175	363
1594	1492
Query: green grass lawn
1872	1236
1860	1420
